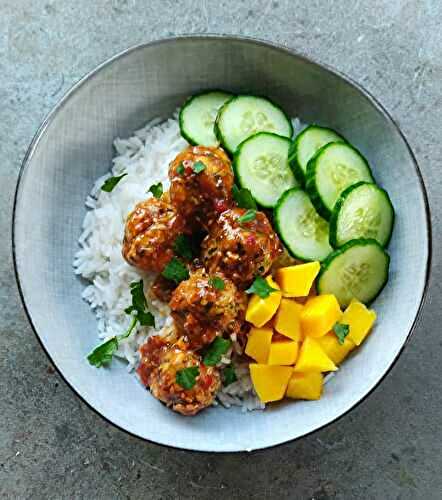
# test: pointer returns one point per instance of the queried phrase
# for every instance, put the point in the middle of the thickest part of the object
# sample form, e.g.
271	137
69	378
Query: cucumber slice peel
359	269
332	169
306	144
363	210
303	231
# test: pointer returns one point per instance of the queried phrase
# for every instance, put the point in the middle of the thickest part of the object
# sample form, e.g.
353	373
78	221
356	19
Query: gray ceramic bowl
74	147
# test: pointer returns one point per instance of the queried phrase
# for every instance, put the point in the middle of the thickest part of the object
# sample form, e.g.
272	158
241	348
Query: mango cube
335	351
283	353
270	382
359	319
320	315
259	310
296	281
312	358
258	344
287	319
305	386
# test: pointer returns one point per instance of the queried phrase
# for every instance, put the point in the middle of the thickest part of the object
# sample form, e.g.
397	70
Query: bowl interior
75	147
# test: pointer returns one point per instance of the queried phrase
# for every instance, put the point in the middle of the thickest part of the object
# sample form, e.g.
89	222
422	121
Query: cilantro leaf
138	298
183	246
261	288
243	197
215	351
217	283
341	330
186	377
146	318
180	169
102	354
198	167
175	271
110	183
156	190
229	375
247	217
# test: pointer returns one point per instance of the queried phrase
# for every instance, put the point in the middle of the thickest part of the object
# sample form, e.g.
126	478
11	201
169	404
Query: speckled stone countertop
51	444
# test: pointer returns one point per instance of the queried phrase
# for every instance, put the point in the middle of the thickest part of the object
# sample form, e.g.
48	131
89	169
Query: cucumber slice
363	210
331	170
261	165
359	269
307	142
198	114
244	116
303	231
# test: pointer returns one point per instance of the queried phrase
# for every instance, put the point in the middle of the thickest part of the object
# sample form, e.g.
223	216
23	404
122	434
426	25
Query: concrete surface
51	444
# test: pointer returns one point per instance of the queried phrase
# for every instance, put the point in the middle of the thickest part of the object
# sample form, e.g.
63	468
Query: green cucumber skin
237	153
219	134
187	137
352	243
310	185
335	213
293	152
278	226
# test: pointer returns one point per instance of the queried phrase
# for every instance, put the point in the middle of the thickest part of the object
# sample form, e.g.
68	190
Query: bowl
73	148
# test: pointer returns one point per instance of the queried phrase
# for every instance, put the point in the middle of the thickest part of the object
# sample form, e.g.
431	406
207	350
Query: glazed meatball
162	361
205	306
240	250
201	194
150	232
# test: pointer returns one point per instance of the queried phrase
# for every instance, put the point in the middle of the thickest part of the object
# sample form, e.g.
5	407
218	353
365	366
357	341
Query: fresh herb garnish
102	354
229	375
217	283
186	377
175	271
156	190
247	217
180	169
198	167
261	288
215	351
243	197
110	183
183	246
341	330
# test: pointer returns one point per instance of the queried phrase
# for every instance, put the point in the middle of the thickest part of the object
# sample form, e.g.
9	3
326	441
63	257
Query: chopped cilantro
186	377
261	288
198	167
341	330
243	197
229	375
215	351
175	271
180	169
247	217
217	283
183	246
110	183
156	190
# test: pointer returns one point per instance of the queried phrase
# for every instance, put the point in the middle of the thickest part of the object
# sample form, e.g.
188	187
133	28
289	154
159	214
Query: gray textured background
51	444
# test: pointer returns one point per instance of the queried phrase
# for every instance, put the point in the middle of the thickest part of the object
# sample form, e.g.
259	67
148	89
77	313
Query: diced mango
359	319
312	358
319	315
296	281
258	344
283	353
259	310
270	382
287	319
335	351
305	386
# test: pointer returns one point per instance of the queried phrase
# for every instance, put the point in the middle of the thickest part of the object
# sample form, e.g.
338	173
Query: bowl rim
228	38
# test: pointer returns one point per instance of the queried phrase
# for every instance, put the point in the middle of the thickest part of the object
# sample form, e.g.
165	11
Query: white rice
145	158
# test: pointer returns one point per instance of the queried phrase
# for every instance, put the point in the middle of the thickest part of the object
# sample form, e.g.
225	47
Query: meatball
240	250
205	306
162	361
202	194
150	232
